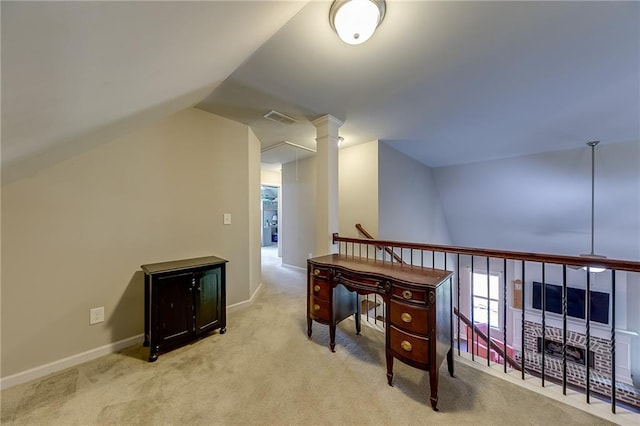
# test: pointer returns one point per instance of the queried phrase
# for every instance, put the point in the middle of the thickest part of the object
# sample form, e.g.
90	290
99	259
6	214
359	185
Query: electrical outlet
96	315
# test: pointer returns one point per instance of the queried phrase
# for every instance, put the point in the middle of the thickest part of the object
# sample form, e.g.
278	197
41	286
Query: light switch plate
227	219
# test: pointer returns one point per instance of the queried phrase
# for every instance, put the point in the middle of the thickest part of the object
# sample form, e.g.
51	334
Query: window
486	304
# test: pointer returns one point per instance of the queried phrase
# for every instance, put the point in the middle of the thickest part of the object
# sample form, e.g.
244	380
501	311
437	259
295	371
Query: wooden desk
417	300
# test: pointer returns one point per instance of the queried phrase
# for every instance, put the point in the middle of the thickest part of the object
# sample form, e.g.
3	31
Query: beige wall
392	195
298	222
255	217
358	189
75	234
358	200
271	177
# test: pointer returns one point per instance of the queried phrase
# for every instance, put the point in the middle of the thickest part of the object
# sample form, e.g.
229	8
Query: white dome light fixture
355	21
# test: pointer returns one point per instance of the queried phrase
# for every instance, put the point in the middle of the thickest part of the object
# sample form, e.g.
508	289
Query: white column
326	183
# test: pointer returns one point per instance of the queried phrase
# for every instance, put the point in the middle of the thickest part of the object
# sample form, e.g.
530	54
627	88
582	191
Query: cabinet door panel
175	306
207	299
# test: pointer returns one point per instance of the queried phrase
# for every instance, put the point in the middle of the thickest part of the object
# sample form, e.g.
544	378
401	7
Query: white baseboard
244	303
71	361
286	265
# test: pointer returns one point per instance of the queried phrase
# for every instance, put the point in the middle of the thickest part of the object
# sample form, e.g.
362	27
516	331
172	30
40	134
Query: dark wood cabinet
184	300
207	300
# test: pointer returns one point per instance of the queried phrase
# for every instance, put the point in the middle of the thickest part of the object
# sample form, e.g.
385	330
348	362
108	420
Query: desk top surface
411	274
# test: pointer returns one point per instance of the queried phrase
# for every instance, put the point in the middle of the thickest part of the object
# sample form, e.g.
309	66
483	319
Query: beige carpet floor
264	370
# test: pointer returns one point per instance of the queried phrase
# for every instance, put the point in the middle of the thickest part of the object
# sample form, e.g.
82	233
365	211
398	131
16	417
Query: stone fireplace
574	353
599	360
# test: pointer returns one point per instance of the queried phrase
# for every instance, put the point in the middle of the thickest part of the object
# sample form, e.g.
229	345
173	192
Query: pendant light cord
593	189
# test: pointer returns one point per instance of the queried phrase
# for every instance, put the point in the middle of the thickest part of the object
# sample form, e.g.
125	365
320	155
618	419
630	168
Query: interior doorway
269	212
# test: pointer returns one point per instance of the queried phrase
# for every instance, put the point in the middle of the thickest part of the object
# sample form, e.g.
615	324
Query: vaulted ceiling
76	74
451	82
447	83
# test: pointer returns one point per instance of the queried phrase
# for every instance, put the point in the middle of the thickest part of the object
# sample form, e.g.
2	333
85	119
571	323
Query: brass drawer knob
406	346
316	288
407	294
316	307
316	272
406	317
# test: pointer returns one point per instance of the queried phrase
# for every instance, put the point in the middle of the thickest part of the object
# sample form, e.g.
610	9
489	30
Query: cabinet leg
450	362
153	355
223	330
309	322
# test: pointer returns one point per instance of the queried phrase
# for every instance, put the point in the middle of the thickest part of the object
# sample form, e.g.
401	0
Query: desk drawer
409	294
320	288
410	346
319	272
320	309
414	319
359	282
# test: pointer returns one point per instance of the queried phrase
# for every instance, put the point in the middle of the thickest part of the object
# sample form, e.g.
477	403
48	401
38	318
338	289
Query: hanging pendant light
592	255
355	21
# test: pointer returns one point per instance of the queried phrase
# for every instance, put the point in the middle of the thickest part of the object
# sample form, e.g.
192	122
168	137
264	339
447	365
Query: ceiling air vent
279	117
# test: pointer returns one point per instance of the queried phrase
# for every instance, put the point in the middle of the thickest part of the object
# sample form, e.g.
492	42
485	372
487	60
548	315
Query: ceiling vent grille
279	117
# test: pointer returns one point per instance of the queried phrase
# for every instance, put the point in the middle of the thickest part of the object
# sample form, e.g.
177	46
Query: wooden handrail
617	264
512	362
364	232
450	252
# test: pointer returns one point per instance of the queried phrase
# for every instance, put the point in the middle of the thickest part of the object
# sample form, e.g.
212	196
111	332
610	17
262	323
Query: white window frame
482	284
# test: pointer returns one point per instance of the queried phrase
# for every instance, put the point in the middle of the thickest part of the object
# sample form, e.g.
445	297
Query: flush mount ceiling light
592	255
356	20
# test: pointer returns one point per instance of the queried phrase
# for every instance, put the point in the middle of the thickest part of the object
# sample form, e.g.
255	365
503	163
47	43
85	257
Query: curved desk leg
389	368
309	322
433	384
332	337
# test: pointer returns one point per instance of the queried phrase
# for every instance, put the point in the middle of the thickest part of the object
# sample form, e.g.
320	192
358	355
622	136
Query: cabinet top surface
411	274
176	265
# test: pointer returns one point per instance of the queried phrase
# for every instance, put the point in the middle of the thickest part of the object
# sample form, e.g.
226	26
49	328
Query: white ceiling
451	82
447	83
75	74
